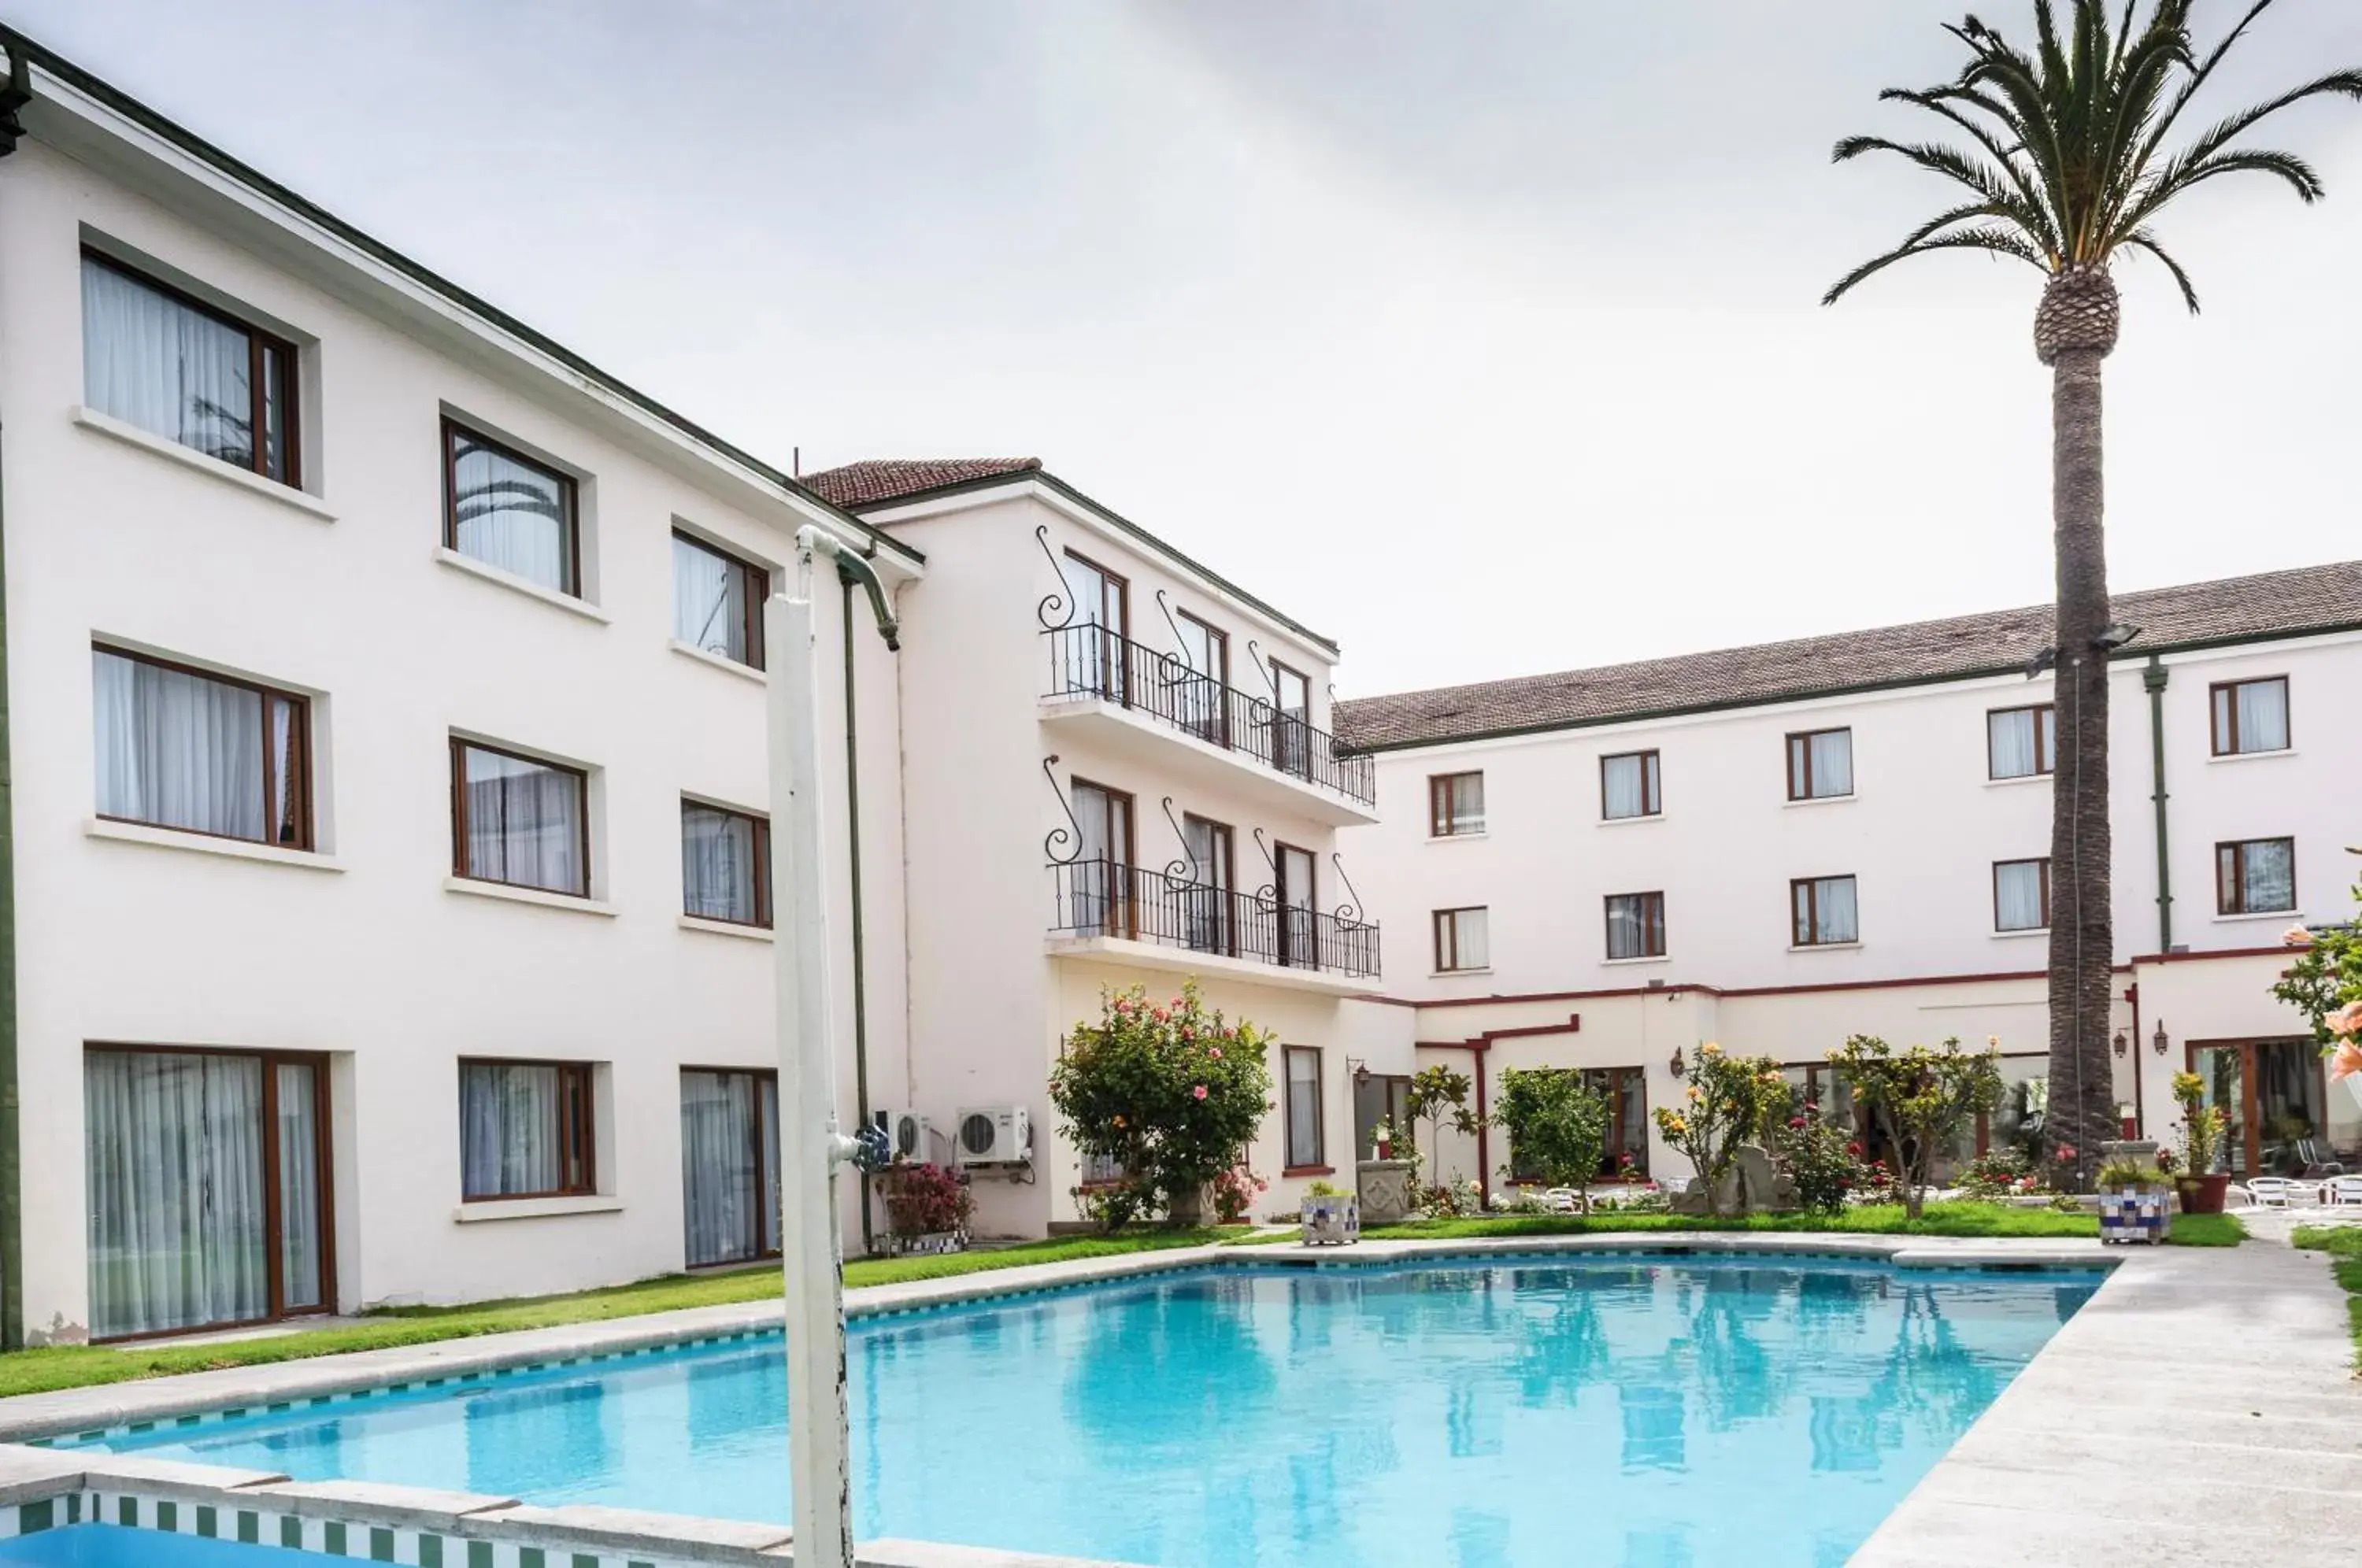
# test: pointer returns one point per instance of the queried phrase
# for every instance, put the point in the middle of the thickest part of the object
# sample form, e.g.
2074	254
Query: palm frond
2000	241
2142	239
2041	222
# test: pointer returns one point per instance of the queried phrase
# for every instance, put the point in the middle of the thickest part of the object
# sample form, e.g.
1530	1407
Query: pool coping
46	1486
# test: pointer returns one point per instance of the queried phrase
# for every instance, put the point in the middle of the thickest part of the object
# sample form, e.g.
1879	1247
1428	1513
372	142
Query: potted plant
1332	1215
2134	1201
927	1209
1382	1140
2201	1185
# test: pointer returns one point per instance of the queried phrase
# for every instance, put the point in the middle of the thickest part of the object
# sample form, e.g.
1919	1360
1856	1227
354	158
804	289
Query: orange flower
2345	1063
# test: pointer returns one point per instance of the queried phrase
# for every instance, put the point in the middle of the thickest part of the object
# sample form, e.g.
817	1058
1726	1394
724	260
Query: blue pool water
1628	1411
108	1546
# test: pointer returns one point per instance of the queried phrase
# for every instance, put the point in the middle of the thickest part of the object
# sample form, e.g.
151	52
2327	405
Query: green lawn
74	1366
1971	1219
2343	1245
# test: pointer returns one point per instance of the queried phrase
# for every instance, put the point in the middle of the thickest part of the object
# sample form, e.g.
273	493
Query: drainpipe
853	870
14	96
2154	679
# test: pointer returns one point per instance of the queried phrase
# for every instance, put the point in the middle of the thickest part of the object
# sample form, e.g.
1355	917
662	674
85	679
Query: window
1460	940
1201	694
1205	915
155	358
729	1165
2021	895
1101	874
2257	876
2021	743
507	511
1297	887
2251	716
1304	1143
726	865
1823	912
1092	649
1455	804
524	1129
519	820
717	601
1291	745
1820	765
177	749
207	1177
1628	785
1635	925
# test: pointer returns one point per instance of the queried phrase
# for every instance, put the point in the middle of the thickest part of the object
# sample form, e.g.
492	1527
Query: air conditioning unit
993	1136
908	1134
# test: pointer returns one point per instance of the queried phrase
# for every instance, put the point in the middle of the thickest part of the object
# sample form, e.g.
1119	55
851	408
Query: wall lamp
2120	1044
2157	1041
1677	1066
1360	1071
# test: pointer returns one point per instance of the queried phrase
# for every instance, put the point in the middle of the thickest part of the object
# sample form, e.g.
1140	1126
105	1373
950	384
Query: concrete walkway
2202	1408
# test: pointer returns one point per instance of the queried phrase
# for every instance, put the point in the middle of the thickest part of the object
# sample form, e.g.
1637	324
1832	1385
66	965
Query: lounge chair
1563	1201
2279	1192
2317	1160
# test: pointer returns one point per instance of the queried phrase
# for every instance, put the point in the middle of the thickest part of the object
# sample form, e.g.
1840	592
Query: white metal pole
810	1146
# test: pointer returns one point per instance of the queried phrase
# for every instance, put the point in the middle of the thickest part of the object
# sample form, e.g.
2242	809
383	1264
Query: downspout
853	872
14	96
2154	679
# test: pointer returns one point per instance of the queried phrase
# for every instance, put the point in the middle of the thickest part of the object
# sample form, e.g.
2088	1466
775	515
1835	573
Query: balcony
1139	697
1160	920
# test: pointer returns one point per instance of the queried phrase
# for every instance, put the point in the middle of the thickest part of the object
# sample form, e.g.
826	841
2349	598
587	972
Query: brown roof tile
887	479
2284	603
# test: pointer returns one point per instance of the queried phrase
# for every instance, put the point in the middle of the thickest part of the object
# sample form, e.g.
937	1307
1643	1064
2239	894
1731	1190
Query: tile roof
888	478
2278	603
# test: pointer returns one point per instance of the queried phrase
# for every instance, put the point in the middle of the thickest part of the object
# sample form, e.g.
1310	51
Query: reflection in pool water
1635	1411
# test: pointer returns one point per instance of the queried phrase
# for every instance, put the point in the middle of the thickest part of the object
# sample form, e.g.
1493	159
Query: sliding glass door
208	1188
730	1166
2275	1096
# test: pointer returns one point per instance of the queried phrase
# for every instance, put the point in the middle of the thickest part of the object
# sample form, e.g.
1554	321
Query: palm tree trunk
2083	941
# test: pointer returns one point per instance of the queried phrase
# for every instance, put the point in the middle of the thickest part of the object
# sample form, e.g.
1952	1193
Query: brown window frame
302	727
1652	926
1800	932
1800	762
2235	849
2041	860
578	1127
760	1251
260	345
273	1241
762	914
571	583
1652	788
459	749
2222	722
1318	1164
1438	920
1122	915
1439	808
2045	740
758	591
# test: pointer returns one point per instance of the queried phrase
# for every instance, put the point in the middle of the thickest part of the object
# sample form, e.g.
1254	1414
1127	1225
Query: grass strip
2343	1245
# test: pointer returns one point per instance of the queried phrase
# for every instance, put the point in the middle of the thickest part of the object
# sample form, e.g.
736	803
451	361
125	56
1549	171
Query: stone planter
1389	1189
1331	1222
2134	1214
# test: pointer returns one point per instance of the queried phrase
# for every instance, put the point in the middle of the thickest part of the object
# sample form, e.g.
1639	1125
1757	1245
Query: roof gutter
13	97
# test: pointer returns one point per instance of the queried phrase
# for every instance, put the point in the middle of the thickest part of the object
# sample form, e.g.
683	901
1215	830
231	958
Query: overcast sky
1481	336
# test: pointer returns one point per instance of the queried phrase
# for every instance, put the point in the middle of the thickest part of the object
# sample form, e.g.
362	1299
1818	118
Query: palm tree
2068	169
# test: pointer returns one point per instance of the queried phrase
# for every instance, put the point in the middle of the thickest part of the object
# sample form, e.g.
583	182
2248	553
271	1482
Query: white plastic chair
2275	1192
1563	1201
2342	1192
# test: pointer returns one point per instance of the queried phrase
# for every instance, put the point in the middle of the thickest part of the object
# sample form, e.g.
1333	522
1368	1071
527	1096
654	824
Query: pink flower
2345	1063
1795	1122
2347	1021
1198	1093
2296	936
1215	1051
1159	1015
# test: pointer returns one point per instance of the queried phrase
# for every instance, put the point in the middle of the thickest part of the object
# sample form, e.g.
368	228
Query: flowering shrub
1820	1159
2325	985
1452	1199
2203	1127
1921	1099
1723	1105
2001	1173
1234	1192
926	1200
1557	1124
1169	1092
1438	1097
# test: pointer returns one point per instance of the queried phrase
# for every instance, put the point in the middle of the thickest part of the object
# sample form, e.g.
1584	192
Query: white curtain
524	822
300	1228
176	749
1832	762
510	515
1093	642
2011	737
1472	939
708	601
718	864
1303	1107
2263	715
149	360
2271	867
1627	926
1838	921
2017	895
509	1129
175	1192
1625	782
722	1211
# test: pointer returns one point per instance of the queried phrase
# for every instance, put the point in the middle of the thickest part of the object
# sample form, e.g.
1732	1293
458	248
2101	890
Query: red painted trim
1993	978
1307	1170
1566	996
2279	949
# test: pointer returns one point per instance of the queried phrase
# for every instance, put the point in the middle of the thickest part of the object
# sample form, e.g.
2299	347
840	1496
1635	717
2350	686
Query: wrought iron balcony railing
1108	897
1088	660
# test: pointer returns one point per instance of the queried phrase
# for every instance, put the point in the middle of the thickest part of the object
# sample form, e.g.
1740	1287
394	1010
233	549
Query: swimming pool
1653	1412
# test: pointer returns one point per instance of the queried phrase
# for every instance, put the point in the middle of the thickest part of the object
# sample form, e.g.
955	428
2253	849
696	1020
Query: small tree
1437	1095
1557	1124
1723	1105
1922	1099
2324	983
2201	1126
1170	1093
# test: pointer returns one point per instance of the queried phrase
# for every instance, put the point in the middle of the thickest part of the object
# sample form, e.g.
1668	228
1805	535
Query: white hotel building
387	841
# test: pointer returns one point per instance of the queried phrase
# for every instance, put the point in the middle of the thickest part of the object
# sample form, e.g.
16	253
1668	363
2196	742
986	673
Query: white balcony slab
1130	954
1128	733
